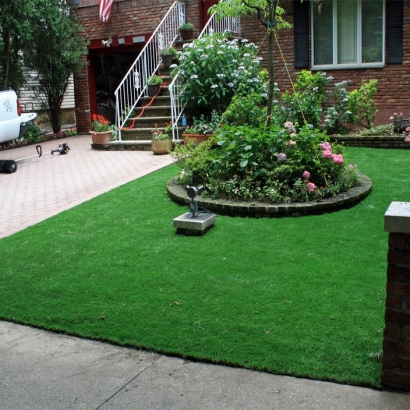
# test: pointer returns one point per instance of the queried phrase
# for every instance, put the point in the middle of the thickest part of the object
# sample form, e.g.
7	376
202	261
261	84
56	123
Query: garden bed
262	209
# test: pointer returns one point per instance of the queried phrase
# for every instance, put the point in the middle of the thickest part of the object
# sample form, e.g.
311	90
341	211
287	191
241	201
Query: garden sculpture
192	193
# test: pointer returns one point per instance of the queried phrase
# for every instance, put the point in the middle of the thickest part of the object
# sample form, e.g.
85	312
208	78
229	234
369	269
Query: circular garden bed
263	209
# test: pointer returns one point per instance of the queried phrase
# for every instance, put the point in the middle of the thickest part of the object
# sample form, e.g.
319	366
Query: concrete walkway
44	370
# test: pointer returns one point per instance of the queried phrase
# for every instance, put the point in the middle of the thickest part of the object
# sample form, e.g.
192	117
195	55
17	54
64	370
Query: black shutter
301	33
394	32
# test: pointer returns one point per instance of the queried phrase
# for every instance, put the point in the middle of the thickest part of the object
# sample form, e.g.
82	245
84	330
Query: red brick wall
396	341
393	80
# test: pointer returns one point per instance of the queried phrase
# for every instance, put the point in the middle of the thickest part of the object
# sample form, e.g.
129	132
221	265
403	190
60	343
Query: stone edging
393	141
264	209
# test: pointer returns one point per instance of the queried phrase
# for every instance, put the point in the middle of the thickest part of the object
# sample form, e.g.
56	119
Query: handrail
134	84
231	24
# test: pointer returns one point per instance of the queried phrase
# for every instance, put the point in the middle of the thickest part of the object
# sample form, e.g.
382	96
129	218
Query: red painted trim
128	42
203	10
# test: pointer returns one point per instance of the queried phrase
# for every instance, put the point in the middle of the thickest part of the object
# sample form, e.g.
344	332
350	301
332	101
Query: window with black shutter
394	32
301	34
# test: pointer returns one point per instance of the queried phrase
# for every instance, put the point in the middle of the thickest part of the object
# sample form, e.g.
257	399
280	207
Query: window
347	33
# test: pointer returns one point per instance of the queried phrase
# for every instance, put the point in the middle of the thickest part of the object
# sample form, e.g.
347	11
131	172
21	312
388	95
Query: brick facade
140	17
393	80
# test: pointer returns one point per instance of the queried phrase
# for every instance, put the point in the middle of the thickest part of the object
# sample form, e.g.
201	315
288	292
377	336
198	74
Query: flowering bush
213	69
327	105
202	125
275	164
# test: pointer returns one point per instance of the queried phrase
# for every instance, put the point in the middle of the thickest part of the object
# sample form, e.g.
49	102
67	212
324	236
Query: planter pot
186	34
167	60
101	138
153	89
197	137
160	147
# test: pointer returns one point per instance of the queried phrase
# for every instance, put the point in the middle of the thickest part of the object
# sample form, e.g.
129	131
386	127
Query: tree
269	14
55	53
15	18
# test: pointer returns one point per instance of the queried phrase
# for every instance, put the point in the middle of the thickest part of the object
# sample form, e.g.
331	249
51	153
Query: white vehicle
13	122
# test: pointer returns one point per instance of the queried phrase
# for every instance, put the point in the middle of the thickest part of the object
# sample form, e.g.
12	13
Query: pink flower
327	154
281	156
338	159
306	175
325	146
311	186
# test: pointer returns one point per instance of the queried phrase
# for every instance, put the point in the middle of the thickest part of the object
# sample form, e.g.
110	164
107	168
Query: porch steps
158	113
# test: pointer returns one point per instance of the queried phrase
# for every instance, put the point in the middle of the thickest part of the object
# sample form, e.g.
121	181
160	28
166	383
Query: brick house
350	40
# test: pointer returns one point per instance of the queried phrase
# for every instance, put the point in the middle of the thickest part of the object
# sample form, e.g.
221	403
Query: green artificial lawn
298	296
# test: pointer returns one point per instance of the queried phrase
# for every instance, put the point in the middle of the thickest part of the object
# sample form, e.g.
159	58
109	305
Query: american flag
105	8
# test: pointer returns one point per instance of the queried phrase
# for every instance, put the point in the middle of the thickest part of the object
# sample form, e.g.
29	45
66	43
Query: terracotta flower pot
197	137
160	147
101	138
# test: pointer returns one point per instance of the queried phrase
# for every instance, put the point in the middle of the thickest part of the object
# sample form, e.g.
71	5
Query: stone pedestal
186	224
396	337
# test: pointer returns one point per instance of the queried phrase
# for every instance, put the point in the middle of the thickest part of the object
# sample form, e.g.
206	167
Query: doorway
205	5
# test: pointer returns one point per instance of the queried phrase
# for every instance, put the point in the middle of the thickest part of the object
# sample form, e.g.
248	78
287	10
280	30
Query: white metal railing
134	84
231	24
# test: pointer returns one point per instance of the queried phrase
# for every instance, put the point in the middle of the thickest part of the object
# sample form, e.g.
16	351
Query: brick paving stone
45	186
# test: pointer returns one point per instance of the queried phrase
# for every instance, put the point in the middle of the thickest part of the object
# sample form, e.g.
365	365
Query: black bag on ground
8	166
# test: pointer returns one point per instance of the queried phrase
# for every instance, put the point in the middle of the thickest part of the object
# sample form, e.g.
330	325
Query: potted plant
161	142
154	83
186	30
102	130
167	55
202	128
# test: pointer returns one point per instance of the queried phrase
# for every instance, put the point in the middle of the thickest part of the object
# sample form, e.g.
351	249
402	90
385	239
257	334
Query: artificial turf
298	296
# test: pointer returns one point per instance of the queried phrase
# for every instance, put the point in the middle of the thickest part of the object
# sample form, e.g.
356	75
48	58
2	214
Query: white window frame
334	65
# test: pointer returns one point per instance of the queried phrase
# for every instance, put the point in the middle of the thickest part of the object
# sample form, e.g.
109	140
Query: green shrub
246	110
363	108
194	161
32	134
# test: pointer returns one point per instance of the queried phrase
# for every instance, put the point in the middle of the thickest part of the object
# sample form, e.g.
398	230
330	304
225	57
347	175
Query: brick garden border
264	209
388	141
